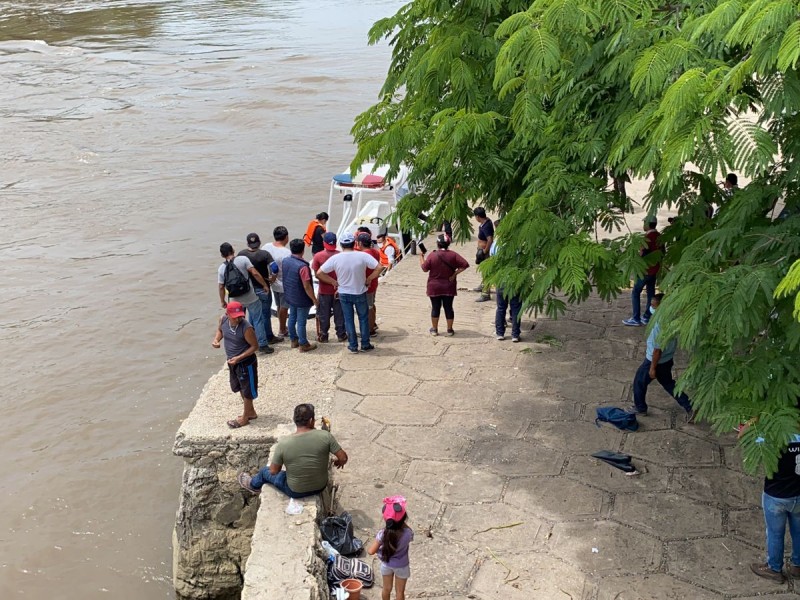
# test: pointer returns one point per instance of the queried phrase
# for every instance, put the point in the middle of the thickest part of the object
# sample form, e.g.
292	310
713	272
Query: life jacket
312	227
398	254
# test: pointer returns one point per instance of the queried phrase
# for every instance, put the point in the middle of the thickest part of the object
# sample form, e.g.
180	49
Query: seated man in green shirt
304	454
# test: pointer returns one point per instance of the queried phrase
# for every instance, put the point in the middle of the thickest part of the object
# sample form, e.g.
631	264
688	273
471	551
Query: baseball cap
235	309
365	239
394	509
253	241
329	240
347	240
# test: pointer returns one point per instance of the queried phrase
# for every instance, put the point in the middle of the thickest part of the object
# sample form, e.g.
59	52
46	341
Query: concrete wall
285	561
215	520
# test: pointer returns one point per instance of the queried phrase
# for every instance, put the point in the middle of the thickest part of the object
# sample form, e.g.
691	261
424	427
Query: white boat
368	199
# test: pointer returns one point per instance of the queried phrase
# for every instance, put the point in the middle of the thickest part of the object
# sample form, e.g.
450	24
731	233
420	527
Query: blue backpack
617	417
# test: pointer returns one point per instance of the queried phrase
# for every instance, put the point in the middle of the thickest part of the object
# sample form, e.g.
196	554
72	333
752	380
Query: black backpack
235	282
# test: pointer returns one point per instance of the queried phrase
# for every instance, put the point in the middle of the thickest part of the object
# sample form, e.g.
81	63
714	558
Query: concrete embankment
490	441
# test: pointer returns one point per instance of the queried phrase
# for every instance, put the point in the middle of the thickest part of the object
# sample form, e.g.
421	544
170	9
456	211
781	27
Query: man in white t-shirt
351	282
248	299
278	249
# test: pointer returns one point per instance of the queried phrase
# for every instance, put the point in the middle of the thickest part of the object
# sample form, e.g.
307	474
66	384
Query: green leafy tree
542	110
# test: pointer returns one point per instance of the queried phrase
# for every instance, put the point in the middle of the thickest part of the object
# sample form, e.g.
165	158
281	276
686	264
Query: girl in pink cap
392	544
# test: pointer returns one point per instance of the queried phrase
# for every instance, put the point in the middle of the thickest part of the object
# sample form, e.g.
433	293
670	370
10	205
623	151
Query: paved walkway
490	443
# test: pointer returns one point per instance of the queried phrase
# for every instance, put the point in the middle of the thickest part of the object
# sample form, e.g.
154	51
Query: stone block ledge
285	559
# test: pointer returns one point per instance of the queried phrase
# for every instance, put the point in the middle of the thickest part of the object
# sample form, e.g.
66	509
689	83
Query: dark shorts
370	300
244	378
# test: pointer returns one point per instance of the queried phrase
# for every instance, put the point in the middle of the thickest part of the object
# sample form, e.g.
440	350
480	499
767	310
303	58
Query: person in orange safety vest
314	232
390	251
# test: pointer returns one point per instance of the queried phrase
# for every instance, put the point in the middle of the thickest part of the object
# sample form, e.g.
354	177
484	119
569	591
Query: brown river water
135	137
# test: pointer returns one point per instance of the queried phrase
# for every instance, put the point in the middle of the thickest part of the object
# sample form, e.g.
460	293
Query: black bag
480	256
338	531
235	282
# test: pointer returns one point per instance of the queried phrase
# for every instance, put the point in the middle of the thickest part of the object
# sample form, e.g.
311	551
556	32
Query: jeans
649	282
776	512
298	317
278	482
664	376
357	302
266	311
500	315
330	303
256	316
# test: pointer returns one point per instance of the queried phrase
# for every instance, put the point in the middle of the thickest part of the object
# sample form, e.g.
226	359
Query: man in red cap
240	348
327	295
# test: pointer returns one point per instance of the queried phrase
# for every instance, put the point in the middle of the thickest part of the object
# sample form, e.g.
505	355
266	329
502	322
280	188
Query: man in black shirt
781	503
485	239
262	261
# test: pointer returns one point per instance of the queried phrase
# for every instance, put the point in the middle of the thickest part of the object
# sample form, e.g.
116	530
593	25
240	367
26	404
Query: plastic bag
329	550
339	532
294	507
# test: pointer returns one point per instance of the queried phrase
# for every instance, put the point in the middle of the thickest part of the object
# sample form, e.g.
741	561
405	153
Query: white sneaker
501	337
515	339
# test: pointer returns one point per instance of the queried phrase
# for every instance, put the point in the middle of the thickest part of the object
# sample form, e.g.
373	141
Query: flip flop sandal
234	424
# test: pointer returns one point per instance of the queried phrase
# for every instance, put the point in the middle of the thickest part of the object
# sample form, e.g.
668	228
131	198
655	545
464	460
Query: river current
135	137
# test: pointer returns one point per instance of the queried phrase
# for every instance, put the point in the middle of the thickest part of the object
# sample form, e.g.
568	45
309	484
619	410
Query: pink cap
394	508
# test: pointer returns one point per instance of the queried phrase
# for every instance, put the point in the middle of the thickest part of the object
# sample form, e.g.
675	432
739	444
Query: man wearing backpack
233	276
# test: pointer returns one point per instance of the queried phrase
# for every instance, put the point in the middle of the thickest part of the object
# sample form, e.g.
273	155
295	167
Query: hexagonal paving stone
497	382
399	410
371	464
357	362
498	358
617	369
591	391
454	482
356	429
578	436
439	573
673	448
394	344
483	424
553	367
365	499
618	548
786	596
423	442
563	329
502	528
532	576
557	498
625	334
376	382
651	478
720	564
516	457
664	515
600	349
456	395
719	485
748	526
433	369
538	407
652	587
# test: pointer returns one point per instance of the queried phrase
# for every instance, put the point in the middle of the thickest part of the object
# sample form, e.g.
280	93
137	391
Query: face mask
652	310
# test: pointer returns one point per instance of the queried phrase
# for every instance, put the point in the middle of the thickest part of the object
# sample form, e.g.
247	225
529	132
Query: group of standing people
248	281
